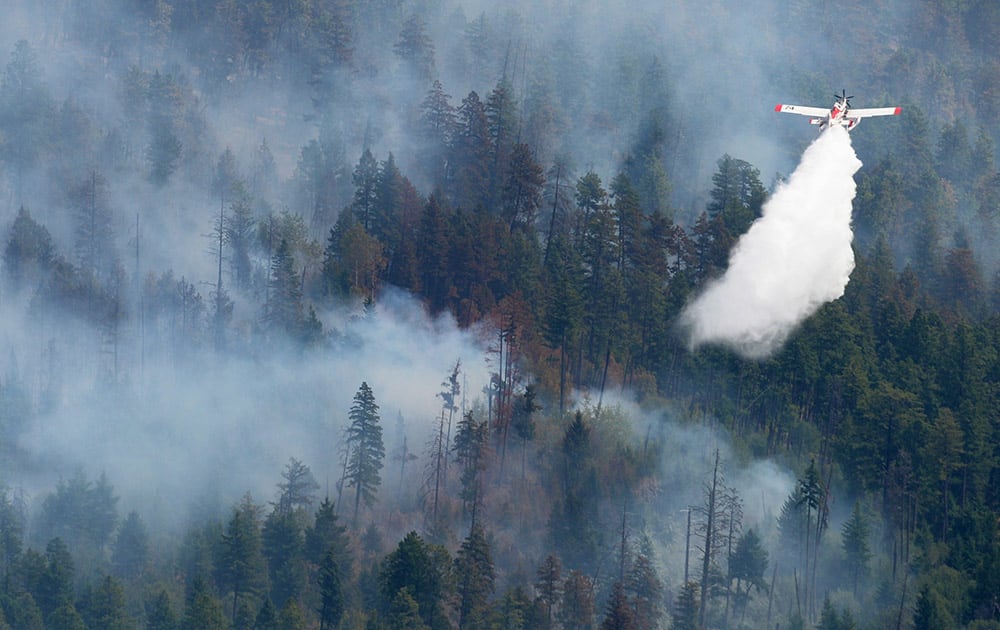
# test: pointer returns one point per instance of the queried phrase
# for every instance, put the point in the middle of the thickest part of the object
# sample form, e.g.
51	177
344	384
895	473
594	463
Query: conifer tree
854	537
424	571
203	611
160	614
549	584
365	191
619	615
685	613
131	551
331	592
367	452
242	564
284	305
475	575
577	609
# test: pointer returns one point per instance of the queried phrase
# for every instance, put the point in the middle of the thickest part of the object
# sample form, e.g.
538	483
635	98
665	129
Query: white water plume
791	261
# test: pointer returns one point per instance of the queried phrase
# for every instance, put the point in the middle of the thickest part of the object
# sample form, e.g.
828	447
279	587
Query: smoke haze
794	259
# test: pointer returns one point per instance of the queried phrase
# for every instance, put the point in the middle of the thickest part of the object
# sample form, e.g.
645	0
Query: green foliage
424	571
242	566
474	575
160	613
203	610
103	606
685	612
367	452
130	554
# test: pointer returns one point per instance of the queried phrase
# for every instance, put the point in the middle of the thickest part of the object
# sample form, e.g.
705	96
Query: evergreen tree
327	535
549	585
11	533
424	572
29	252
367	452
471	442
242	566
365	191
747	565
854	537
619	615
646	593
131	551
203	611
93	221
331	592
415	48
267	617
291	616
296	491
737	195
475	576
283	543
160	614
521	194
284	306
685	613
437	127
577	609
104	606
471	151
53	587
404	613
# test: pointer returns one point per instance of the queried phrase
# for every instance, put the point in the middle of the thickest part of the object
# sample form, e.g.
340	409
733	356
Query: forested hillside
364	314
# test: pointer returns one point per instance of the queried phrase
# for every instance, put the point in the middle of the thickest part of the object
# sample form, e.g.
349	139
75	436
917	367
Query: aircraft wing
803	110
877	111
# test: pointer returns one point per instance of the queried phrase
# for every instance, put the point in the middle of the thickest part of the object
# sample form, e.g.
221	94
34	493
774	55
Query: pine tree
549	585
94	230
282	543
415	48
471	152
331	592
437	126
284	306
577	609
131	551
646	590
424	570
104	606
367	452
365	180
619	615
160	614
747	565
327	535
685	614
475	576
854	537
203	611
471	440
29	252
404	613
242	562
521	194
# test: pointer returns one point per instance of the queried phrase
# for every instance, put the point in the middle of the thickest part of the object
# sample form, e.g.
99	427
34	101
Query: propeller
844	97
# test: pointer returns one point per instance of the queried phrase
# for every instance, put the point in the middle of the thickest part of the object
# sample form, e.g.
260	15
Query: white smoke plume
791	261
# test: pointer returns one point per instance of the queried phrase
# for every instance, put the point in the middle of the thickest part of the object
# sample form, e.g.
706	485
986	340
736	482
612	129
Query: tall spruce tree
475	575
367	452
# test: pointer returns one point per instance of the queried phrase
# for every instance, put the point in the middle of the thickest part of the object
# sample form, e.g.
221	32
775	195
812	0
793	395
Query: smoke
205	430
795	258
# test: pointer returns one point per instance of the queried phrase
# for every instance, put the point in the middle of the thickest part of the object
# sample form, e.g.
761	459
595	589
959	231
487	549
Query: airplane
841	114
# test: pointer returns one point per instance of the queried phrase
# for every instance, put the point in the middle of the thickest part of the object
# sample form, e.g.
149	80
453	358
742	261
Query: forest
348	314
